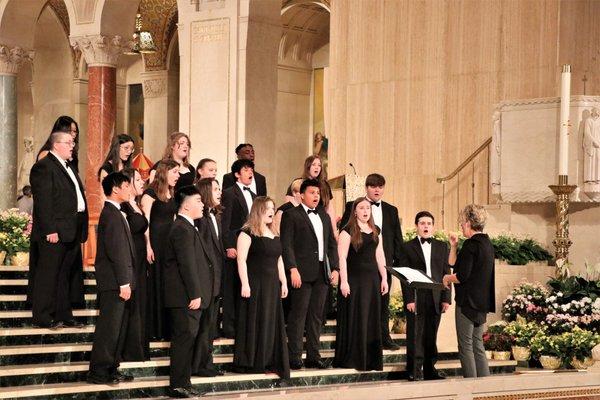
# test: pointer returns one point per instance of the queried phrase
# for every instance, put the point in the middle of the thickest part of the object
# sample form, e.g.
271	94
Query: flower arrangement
543	344
527	300
579	343
397	311
495	338
15	230
521	332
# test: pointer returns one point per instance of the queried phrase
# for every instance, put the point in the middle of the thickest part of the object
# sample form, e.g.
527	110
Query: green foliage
517	251
543	344
15	229
521	332
397	306
579	343
575	288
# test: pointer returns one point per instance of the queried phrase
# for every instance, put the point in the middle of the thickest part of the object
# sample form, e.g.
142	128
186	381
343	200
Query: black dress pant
52	280
306	308
421	336
231	293
110	334
203	351
385	313
185	324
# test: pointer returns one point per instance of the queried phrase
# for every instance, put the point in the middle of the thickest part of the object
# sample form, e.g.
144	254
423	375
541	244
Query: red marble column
102	113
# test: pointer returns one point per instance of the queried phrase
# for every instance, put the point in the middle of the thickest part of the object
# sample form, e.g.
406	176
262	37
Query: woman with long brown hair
260	338
363	280
178	149
159	208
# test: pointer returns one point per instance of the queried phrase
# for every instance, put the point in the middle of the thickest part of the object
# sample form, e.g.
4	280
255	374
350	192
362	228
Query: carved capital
11	59
155	87
99	50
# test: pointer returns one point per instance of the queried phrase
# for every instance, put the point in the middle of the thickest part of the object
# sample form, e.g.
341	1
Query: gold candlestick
561	241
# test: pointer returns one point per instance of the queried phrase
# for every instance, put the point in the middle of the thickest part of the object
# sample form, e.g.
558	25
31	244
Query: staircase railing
456	173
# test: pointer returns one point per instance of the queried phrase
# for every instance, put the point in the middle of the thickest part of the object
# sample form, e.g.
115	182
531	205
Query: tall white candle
565	98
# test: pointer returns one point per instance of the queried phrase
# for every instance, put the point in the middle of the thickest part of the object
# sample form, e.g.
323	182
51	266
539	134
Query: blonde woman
260	339
178	150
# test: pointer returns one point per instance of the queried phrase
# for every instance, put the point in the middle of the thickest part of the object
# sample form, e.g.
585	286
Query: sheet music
413	275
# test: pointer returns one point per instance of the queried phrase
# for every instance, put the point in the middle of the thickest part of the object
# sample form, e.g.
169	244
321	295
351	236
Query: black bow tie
67	166
311	211
213	211
423	240
376	204
247	188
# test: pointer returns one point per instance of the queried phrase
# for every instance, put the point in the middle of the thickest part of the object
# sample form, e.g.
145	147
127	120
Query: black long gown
137	344
185	178
161	217
260	338
358	333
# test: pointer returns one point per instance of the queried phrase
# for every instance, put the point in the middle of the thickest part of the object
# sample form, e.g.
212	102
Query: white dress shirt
213	219
317	224
80	199
188	219
377	213
426	247
247	195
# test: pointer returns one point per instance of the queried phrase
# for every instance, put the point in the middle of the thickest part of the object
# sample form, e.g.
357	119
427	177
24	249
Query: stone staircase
44	364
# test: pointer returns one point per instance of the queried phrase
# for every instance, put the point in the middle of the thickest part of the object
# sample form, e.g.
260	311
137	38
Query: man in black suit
210	232
245	151
115	283
60	222
237	202
429	256
188	289
310	257
386	218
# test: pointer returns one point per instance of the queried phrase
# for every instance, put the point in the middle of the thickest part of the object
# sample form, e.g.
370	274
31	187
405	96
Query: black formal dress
229	180
301	251
188	275
391	234
114	265
107	167
421	332
235	214
161	218
58	282
358	341
186	178
260	339
137	345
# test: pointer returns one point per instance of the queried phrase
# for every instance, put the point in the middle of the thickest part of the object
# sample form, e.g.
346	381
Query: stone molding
545	100
100	50
11	59
154	87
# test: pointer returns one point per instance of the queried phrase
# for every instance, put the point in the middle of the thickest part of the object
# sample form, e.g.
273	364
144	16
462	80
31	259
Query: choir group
184	259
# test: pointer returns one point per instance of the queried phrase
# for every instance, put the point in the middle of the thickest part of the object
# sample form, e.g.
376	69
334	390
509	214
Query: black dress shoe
209	373
121	377
319	364
196	392
71	323
102	380
181	393
55	325
434	376
415	377
296	364
390	345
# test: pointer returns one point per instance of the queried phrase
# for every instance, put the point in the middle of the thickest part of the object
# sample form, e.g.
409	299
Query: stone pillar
101	54
10	60
156	119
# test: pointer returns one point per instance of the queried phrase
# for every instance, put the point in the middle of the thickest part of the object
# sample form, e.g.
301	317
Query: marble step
56	372
75	352
15	318
153	386
10	272
19	286
9	302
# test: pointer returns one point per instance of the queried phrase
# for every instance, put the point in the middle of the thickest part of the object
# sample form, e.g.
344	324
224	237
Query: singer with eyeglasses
60	221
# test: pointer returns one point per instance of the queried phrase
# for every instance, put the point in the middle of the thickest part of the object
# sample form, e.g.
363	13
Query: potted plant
549	348
498	341
521	333
397	313
15	227
579	344
3	246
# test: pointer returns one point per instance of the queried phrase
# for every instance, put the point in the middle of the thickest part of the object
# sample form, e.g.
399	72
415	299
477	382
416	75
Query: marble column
10	60
101	53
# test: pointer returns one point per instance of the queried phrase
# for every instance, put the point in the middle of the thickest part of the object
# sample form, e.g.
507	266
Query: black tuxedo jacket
115	255
55	202
412	257
391	231
300	245
261	182
475	271
235	214
213	243
188	273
